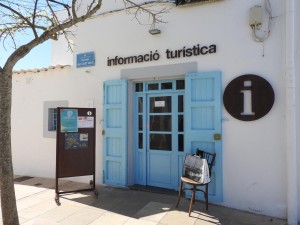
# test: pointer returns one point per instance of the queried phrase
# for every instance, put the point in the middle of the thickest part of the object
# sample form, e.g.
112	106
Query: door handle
217	137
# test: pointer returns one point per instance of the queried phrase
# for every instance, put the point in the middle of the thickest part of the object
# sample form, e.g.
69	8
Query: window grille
52	119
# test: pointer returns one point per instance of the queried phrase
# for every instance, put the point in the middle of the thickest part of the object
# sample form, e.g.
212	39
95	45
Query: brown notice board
75	144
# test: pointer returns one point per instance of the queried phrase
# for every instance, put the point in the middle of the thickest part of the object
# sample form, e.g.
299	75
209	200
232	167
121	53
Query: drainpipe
292	207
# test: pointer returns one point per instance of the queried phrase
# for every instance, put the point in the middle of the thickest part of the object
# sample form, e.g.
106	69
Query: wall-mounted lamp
154	30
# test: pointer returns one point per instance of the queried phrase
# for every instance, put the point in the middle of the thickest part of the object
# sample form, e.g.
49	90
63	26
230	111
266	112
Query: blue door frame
202	126
156	165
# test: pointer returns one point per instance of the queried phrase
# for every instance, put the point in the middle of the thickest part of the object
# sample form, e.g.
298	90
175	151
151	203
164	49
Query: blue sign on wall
85	59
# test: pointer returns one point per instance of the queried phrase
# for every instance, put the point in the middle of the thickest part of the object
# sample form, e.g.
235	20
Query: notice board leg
96	193
57	199
93	186
56	192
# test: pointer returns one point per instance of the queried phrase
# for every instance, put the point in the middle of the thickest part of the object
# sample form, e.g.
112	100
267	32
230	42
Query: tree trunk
8	199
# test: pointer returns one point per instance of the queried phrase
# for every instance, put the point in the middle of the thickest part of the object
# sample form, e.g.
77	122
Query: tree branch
66	6
152	13
17	13
33	18
74	14
58	27
46	35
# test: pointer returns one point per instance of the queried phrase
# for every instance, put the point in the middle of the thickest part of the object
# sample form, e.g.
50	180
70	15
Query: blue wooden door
203	122
162	134
159	132
115	132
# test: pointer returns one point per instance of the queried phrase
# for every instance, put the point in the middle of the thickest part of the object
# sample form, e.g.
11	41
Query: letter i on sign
247	99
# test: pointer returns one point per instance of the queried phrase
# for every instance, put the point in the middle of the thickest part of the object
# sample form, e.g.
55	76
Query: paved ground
114	206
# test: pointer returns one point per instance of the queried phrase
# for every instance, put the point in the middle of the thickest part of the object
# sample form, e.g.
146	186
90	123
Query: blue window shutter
203	120
115	132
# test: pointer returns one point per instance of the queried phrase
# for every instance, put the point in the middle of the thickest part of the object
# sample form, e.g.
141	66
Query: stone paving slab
116	206
85	216
153	211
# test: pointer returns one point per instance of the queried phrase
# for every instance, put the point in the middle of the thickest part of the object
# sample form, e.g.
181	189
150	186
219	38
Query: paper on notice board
85	122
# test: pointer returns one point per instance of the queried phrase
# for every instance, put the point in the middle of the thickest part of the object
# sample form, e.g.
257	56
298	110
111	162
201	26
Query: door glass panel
140	140
161	142
167	85
153	86
180	103
161	123
180	142
140	104
160	104
140	123
180	123
180	84
139	87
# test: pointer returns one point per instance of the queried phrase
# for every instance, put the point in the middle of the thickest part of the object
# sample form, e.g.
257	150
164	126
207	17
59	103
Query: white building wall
63	50
34	154
254	156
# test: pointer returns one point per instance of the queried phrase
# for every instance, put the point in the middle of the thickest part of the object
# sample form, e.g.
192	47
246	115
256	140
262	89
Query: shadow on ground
121	204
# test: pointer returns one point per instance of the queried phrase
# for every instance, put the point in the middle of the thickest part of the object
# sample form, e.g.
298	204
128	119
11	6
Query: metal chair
210	157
